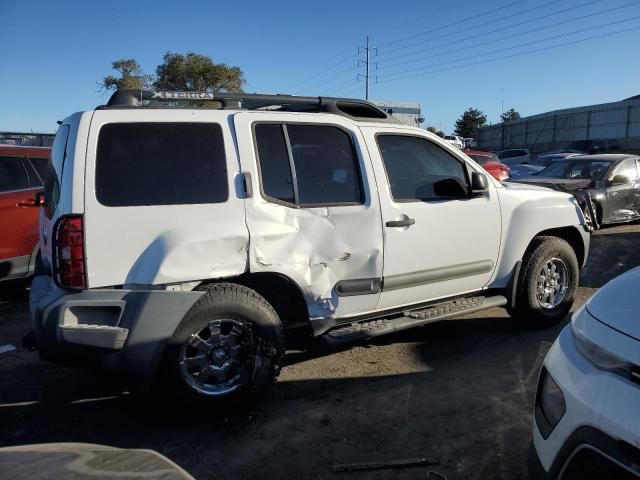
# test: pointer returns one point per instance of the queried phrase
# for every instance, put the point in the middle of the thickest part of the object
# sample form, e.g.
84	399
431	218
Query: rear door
163	202
314	214
20	224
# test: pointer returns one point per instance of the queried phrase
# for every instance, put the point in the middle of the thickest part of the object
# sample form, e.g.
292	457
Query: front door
438	240
20	224
623	199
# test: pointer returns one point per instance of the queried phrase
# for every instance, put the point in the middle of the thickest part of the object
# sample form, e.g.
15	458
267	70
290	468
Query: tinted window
325	165
322	163
577	169
512	153
12	175
420	170
161	164
53	173
40	164
275	169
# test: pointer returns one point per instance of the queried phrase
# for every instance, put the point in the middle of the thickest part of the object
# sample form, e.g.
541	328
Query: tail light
68	251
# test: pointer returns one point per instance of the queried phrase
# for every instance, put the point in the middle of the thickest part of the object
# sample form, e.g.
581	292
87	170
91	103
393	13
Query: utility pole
367	51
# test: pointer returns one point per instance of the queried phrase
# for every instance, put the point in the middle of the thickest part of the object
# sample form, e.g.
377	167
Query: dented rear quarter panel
163	244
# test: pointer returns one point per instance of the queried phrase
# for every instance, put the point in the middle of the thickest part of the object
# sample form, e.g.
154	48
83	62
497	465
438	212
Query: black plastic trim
360	286
423	277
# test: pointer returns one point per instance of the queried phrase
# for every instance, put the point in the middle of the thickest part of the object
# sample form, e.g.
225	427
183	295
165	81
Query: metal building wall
618	121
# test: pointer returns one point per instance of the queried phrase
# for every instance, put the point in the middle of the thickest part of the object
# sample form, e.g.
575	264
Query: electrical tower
367	62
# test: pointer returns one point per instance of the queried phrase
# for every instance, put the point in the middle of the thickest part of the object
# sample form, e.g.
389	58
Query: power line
532	20
475	45
499	19
526	44
514	55
340	86
366	49
457	22
322	72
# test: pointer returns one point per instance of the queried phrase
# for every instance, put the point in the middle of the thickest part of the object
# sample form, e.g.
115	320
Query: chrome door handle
400	223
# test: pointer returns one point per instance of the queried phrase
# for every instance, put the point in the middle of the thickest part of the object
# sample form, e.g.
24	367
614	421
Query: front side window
627	168
161	164
12	175
308	165
418	169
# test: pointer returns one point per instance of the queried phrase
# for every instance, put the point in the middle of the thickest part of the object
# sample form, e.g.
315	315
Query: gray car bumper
122	329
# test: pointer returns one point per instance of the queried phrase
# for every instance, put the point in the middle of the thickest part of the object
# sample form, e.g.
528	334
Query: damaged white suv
183	244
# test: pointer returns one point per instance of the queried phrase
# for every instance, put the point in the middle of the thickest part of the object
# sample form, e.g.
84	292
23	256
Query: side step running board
362	331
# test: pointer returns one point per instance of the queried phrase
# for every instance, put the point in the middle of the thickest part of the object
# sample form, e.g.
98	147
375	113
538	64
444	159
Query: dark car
606	186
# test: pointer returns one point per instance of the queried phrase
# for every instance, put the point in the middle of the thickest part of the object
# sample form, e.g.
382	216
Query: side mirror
618	180
479	183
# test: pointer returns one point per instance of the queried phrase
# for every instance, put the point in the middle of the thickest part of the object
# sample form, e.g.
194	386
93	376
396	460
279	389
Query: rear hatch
617	304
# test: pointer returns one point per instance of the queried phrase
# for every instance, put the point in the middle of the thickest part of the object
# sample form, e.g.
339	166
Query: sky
446	55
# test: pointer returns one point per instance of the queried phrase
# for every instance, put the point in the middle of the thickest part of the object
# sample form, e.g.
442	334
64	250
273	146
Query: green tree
440	133
130	76
509	116
469	122
198	73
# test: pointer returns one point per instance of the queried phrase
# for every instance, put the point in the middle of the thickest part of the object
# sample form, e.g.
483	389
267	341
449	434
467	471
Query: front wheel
230	345
548	281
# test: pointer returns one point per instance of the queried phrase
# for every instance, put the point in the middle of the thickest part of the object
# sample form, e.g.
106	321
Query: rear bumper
122	329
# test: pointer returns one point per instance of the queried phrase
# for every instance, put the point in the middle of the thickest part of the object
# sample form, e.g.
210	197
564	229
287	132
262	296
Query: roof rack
349	107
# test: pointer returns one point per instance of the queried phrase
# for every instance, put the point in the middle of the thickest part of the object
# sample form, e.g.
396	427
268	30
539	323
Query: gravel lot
460	391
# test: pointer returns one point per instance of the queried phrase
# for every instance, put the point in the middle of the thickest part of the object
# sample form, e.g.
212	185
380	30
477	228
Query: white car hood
617	304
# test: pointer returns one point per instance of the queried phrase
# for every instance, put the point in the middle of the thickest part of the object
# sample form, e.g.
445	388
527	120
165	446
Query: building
618	122
27	139
406	113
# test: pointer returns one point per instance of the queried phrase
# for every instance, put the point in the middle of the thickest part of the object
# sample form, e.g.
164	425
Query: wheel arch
283	294
571	235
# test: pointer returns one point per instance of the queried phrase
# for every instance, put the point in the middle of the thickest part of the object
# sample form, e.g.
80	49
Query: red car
491	163
21	177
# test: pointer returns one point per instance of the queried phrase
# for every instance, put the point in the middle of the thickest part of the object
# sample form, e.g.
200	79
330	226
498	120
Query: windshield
577	169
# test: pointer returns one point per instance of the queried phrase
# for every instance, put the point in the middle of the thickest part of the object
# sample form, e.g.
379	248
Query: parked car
590	147
607	184
180	244
490	162
586	423
548	158
455	140
470	143
524	170
22	170
515	156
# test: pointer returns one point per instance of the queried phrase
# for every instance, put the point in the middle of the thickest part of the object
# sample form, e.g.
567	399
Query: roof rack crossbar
157	99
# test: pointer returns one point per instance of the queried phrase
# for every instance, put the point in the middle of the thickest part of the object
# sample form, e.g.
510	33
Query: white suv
586	422
185	243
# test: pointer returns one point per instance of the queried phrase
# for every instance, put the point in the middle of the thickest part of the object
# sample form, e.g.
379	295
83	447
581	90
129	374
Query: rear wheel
229	346
548	281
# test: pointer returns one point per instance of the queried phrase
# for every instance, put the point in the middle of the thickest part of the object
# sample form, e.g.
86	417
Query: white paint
164	243
315	247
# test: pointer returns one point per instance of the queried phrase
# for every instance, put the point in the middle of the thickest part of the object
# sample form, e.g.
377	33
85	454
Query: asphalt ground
460	391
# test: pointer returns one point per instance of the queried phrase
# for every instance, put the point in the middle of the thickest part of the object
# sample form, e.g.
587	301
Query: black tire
528	307
265	344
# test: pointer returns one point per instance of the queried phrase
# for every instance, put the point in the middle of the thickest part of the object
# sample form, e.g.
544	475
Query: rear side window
308	165
40	164
161	164
12	175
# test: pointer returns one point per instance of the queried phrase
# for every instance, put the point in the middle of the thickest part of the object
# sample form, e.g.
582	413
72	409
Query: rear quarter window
141	164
